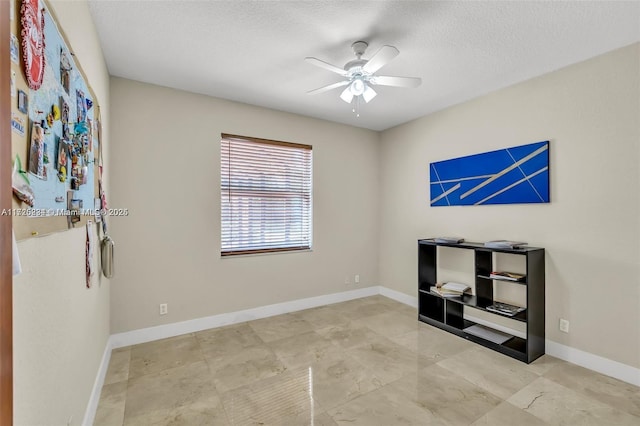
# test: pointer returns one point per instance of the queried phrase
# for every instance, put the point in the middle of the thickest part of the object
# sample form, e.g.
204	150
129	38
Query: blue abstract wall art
508	176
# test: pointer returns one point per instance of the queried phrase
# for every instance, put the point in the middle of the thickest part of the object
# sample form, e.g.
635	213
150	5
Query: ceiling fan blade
346	95
322	64
369	94
327	88
385	80
380	59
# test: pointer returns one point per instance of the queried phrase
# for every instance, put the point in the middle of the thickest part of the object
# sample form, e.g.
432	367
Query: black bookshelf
448	313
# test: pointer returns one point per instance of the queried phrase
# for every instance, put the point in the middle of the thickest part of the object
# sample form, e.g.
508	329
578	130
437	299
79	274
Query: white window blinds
266	195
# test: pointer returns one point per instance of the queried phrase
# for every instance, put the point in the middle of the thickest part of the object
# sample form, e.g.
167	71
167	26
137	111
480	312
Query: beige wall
591	229
167	173
61	327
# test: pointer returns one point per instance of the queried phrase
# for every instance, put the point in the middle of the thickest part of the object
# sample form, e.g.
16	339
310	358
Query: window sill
268	253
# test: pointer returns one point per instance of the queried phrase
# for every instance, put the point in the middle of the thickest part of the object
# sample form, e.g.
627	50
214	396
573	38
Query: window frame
230	252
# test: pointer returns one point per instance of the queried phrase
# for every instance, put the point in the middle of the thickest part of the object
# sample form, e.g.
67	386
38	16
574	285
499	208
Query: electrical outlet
564	325
356	279
164	309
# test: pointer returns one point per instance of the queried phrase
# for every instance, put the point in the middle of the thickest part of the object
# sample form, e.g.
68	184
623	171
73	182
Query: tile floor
363	362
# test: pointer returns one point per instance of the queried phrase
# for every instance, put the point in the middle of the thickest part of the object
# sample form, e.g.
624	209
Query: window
266	195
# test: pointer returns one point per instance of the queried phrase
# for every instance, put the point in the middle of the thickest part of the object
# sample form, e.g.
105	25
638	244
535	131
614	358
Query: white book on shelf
444	293
504	244
453	286
489	334
505	308
510	276
449	240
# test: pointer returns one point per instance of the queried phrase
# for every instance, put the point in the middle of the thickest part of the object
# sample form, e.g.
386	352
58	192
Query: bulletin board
56	129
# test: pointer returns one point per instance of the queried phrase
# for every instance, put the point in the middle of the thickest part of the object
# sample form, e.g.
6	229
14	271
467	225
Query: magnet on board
44	126
13	84
14	49
81	128
17	124
23	102
62	176
55	110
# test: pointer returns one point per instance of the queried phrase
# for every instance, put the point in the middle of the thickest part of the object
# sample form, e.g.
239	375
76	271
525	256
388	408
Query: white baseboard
593	362
176	329
399	296
92	406
615	369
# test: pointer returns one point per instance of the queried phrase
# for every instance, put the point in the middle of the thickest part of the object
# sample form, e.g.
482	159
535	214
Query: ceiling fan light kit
360	75
357	87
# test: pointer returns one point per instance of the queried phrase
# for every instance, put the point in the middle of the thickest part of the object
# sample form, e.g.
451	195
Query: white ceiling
253	51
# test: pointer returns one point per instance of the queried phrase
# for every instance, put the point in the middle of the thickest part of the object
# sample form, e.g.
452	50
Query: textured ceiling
253	51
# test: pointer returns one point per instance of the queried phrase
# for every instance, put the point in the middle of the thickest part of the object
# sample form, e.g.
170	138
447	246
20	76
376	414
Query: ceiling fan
360	75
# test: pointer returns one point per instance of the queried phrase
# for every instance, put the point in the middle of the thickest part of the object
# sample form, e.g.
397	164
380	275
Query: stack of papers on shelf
445	293
504	244
450	289
449	240
505	309
451	286
511	276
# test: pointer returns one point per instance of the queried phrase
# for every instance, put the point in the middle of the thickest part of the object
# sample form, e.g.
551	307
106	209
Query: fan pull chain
356	106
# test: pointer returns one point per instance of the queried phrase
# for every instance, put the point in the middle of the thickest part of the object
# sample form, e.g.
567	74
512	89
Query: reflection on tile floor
364	362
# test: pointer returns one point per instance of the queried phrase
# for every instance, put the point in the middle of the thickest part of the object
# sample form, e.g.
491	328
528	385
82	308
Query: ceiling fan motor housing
356	63
359	48
355	67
